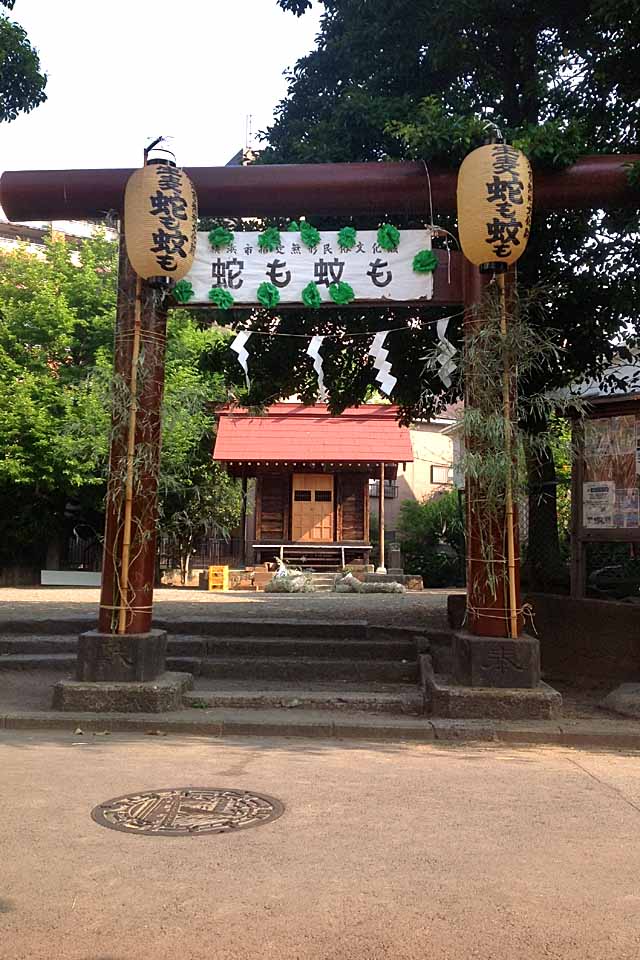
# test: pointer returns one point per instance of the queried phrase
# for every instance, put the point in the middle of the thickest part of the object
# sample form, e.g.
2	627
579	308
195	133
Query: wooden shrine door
312	507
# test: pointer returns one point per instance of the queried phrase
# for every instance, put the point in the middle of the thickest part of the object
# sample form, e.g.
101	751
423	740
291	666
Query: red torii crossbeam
331	189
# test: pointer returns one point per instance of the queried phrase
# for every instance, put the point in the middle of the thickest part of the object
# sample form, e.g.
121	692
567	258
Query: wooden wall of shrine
275	507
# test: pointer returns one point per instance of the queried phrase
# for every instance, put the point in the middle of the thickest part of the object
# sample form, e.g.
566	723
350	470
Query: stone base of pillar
491	679
495	661
443	697
128	658
156	696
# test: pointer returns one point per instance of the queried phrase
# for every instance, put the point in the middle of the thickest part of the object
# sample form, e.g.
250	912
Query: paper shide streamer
313	351
239	347
446	353
384	376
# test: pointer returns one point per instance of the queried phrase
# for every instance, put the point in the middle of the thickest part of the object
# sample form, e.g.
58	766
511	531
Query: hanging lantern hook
154	145
489	125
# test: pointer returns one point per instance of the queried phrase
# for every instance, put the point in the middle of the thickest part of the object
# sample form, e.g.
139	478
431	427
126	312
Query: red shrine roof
294	432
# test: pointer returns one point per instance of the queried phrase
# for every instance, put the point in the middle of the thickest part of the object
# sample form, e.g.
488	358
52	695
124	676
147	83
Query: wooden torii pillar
374	189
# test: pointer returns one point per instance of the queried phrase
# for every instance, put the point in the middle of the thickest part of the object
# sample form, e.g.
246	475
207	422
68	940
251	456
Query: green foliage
554	77
183	291
221	298
220	238
309	235
57	314
424	528
436	134
341	293
22	82
347	238
559	432
425	261
269	240
388	237
268	295
633	174
311	295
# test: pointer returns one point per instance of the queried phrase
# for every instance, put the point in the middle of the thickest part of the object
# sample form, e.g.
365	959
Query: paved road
384	851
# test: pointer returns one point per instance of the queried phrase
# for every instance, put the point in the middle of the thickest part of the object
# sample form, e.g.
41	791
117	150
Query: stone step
405	701
267	647
300	628
38	644
298	668
33	661
374	649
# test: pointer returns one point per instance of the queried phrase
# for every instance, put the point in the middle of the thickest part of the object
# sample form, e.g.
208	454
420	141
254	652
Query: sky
122	72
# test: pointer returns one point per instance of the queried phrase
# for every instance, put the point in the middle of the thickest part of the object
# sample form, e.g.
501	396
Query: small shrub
432	537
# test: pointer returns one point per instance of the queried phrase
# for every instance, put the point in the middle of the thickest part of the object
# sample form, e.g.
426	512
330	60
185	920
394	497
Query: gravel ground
171	603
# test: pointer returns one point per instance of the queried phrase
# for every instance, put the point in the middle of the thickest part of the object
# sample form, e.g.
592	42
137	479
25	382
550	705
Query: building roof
296	433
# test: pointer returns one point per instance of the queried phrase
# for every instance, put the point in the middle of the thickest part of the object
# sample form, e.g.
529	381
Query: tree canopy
22	82
57	315
406	80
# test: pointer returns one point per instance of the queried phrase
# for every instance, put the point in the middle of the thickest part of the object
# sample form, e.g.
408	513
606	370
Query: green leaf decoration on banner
220	237
183	291
293	227
347	238
311	295
425	261
269	240
221	298
268	295
389	237
341	293
309	235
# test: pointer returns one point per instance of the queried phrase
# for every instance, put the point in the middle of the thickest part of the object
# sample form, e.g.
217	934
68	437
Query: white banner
373	273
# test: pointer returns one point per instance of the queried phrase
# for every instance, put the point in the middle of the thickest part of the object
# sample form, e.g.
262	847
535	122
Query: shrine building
312	472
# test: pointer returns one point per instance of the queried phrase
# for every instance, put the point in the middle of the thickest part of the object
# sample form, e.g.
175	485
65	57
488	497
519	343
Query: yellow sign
219	578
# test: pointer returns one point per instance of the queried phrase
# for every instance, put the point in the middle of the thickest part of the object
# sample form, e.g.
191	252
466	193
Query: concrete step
300	628
38	644
284	647
33	661
405	701
298	668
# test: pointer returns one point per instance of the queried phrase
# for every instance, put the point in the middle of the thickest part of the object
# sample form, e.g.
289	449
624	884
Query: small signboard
610	496
373	273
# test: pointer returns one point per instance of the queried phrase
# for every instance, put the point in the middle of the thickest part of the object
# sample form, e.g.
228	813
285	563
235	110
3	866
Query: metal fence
209	551
83	554
86	554
613	571
390	489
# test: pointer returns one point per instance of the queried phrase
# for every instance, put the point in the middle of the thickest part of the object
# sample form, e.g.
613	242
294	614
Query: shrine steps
296	668
370	698
286	663
327	560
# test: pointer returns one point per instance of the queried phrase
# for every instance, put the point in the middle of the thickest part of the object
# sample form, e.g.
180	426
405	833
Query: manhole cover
187	811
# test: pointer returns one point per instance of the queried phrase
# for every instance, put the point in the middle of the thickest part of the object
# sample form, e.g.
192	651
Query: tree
197	497
406	80
57	314
56	331
22	82
413	81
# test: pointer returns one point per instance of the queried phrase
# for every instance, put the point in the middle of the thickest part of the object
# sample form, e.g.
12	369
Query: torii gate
374	189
